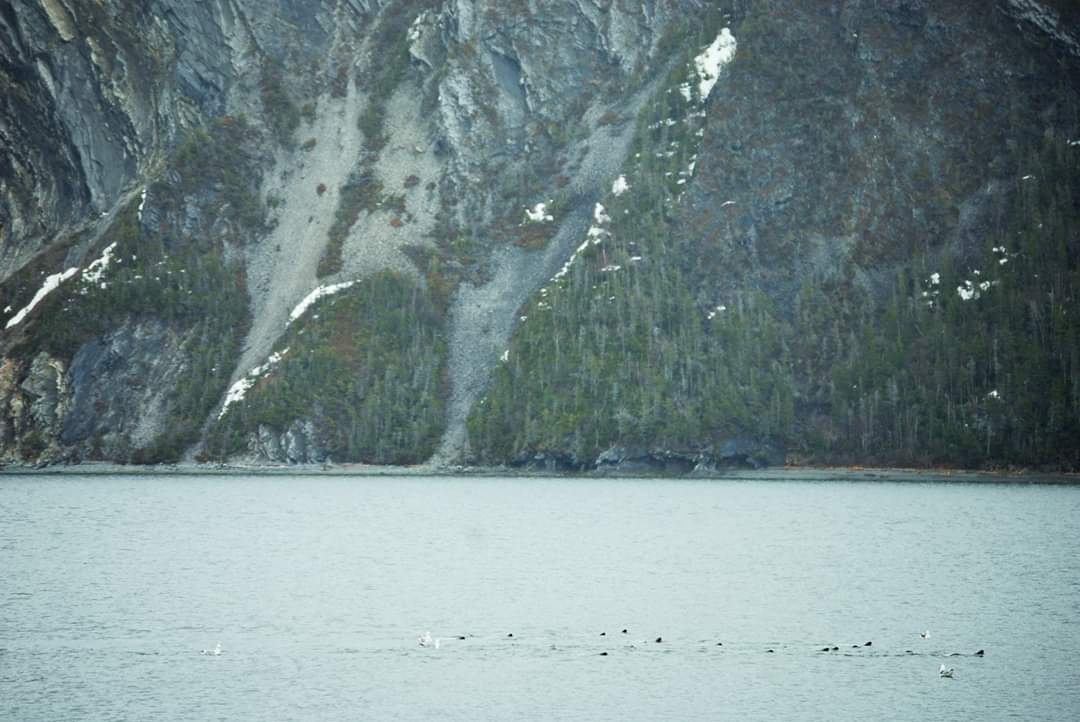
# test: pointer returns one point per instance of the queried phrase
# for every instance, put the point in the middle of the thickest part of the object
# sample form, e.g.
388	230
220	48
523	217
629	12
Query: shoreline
775	473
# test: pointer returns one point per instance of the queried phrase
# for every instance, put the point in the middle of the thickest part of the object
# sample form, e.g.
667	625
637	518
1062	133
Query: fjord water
317	588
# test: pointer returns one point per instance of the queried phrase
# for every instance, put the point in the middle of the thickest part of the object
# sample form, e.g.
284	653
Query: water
317	587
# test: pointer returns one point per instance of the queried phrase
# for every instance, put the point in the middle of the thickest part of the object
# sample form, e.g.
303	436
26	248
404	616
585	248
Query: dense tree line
964	357
365	365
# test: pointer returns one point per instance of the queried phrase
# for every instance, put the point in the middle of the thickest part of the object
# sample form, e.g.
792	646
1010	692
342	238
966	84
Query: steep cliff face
301	230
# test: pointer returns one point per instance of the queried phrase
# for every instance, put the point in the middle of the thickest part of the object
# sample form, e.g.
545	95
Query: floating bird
603	634
925	635
980	653
511	634
659	640
836	649
603	654
770	651
719	644
943	672
425	640
624	631
215	652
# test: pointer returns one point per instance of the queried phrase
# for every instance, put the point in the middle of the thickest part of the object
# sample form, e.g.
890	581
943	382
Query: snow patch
539	214
239	390
974	291
94	272
596	234
320	292
709	63
416	28
50	285
620	186
142	203
570	261
712	312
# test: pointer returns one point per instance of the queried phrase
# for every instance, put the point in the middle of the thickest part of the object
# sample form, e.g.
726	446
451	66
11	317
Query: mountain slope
656	233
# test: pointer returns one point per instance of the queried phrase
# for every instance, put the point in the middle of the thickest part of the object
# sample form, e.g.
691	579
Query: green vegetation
641	352
366	365
361	192
281	111
216	166
928	377
627	357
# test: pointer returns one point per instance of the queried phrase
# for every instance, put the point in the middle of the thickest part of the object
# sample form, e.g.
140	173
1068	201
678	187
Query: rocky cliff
662	233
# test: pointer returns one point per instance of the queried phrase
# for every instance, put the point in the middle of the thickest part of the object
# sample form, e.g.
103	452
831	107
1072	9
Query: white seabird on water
925	635
946	672
215	652
425	640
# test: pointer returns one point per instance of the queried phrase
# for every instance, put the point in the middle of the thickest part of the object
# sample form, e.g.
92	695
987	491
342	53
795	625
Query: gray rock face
47	390
121	384
296	445
33	402
734	453
113	399
92	93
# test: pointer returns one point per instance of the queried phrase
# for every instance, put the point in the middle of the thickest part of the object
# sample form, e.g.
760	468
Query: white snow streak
620	186
50	285
238	390
539	214
314	296
94	272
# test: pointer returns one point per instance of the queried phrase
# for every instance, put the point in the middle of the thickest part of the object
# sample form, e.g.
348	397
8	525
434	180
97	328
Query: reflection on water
318	588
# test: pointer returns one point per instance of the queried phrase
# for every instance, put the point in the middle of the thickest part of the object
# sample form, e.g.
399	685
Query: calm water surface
317	587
